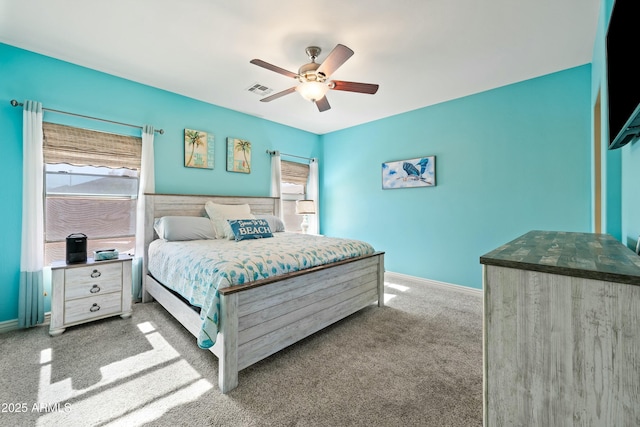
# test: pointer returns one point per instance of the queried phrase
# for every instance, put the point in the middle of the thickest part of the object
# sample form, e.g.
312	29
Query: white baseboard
12	325
390	276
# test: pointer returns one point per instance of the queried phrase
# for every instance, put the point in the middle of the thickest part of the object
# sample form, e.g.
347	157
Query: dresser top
586	255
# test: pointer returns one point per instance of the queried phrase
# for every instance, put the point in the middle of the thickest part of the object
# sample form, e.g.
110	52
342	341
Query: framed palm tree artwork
238	155
418	172
198	149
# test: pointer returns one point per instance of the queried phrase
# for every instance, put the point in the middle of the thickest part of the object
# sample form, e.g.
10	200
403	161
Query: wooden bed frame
263	317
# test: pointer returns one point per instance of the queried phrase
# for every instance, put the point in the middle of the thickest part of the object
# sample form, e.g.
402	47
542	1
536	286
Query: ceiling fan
313	77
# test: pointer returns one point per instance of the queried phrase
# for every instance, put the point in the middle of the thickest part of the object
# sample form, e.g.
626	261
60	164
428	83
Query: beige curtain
147	185
313	193
31	291
276	181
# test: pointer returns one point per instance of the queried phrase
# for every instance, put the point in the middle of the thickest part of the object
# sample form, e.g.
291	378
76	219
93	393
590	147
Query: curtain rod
20	104
272	152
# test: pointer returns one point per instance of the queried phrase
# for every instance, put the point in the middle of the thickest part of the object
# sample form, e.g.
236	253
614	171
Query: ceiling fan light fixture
313	77
312	91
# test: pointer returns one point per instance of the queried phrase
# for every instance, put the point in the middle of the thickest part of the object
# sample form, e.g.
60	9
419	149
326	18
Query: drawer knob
94	289
95	274
95	307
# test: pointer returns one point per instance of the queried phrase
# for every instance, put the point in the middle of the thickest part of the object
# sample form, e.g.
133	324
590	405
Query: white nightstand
89	291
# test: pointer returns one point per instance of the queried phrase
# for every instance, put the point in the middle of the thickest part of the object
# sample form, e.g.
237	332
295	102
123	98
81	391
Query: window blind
75	146
295	173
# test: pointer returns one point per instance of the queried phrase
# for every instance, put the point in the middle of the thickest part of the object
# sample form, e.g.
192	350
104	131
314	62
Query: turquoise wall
63	86
508	161
630	194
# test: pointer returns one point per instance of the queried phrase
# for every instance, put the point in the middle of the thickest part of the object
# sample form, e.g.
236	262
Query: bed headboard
159	205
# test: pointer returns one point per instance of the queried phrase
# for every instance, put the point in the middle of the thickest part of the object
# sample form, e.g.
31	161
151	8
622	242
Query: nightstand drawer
92	307
92	280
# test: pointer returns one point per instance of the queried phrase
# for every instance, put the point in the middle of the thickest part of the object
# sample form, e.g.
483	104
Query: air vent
259	89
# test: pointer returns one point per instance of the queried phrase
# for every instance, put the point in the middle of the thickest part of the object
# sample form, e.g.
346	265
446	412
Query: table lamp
305	208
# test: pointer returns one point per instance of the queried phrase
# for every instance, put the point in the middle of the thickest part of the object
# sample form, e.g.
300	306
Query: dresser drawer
92	280
92	307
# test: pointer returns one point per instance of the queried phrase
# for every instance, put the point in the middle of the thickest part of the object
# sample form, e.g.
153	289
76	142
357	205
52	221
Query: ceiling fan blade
261	63
335	59
279	94
323	104
354	86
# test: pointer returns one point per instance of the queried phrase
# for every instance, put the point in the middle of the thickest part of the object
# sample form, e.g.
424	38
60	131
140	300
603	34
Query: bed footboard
270	319
267	316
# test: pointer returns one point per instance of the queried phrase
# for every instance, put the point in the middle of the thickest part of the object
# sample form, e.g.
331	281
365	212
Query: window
91	187
293	188
99	202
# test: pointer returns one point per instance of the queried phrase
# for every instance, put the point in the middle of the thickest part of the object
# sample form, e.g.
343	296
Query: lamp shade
312	91
305	207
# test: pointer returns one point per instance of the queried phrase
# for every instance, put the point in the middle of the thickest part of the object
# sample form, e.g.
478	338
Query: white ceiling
420	52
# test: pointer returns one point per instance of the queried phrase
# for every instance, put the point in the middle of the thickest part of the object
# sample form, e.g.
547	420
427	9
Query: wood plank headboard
159	205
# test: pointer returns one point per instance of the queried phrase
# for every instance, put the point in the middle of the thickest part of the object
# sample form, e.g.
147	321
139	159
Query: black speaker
76	248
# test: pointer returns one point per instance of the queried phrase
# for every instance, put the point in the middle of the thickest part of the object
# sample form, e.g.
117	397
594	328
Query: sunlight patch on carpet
159	378
397	287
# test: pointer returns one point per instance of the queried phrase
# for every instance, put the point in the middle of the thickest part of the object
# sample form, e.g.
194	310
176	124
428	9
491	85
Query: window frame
295	173
66	139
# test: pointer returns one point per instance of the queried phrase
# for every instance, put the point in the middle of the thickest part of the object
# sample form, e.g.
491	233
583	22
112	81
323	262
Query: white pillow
275	223
175	228
219	214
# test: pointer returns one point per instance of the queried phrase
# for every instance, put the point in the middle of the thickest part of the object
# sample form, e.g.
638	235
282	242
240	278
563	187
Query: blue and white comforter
197	269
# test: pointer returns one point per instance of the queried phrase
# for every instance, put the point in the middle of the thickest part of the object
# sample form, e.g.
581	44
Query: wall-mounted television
623	75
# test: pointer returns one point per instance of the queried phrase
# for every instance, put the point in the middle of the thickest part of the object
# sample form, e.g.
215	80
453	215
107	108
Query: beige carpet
415	362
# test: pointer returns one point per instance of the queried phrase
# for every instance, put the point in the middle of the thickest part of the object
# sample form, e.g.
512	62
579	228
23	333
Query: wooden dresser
561	331
89	291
